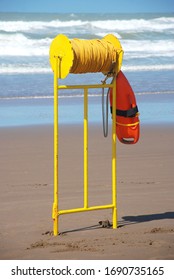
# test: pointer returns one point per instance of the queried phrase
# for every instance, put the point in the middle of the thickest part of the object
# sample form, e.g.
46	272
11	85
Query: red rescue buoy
127	121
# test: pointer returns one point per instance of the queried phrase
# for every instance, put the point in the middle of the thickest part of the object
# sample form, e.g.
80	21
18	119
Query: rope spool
86	56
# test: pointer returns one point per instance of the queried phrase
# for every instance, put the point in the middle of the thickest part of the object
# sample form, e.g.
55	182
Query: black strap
127	113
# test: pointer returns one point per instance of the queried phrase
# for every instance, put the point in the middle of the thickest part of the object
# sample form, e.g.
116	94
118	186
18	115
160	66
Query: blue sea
26	78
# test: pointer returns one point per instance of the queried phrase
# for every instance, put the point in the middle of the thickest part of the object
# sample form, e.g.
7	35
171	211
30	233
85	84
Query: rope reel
79	56
86	56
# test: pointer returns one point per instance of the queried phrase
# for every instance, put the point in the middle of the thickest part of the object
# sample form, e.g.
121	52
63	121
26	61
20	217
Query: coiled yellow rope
84	56
92	56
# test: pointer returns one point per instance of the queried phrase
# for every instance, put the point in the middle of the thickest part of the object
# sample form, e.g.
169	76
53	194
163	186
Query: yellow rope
92	56
128	124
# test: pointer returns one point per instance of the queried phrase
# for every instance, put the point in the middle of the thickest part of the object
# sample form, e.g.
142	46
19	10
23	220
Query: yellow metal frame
56	212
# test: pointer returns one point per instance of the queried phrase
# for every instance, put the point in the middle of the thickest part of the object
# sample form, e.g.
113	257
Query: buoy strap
130	113
128	124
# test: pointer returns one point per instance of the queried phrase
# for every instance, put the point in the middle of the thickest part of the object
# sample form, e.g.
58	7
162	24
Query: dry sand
145	185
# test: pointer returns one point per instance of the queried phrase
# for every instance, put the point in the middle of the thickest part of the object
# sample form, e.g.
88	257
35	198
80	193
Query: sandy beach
145	195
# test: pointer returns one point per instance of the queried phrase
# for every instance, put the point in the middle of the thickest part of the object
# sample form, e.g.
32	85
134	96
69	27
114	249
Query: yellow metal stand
56	212
71	56
85	148
55	203
114	182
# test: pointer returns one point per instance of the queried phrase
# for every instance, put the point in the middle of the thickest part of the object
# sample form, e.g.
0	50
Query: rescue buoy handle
127	141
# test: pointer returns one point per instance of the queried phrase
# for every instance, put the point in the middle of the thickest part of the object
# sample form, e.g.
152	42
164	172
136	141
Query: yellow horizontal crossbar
85	86
76	210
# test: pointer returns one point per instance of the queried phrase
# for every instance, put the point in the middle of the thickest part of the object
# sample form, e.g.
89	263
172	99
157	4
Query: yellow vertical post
55	203
114	178
85	148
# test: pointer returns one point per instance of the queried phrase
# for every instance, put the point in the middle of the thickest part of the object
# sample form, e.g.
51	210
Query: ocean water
26	78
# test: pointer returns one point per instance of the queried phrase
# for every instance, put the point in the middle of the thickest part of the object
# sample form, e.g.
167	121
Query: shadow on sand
127	220
146	218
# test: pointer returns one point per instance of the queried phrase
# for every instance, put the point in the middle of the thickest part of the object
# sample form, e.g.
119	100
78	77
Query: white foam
19	69
27	26
136	68
102	34
155	92
78	96
138	25
67	96
33	46
19	45
146	48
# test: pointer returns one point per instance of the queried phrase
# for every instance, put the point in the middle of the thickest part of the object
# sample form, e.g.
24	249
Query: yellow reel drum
85	56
